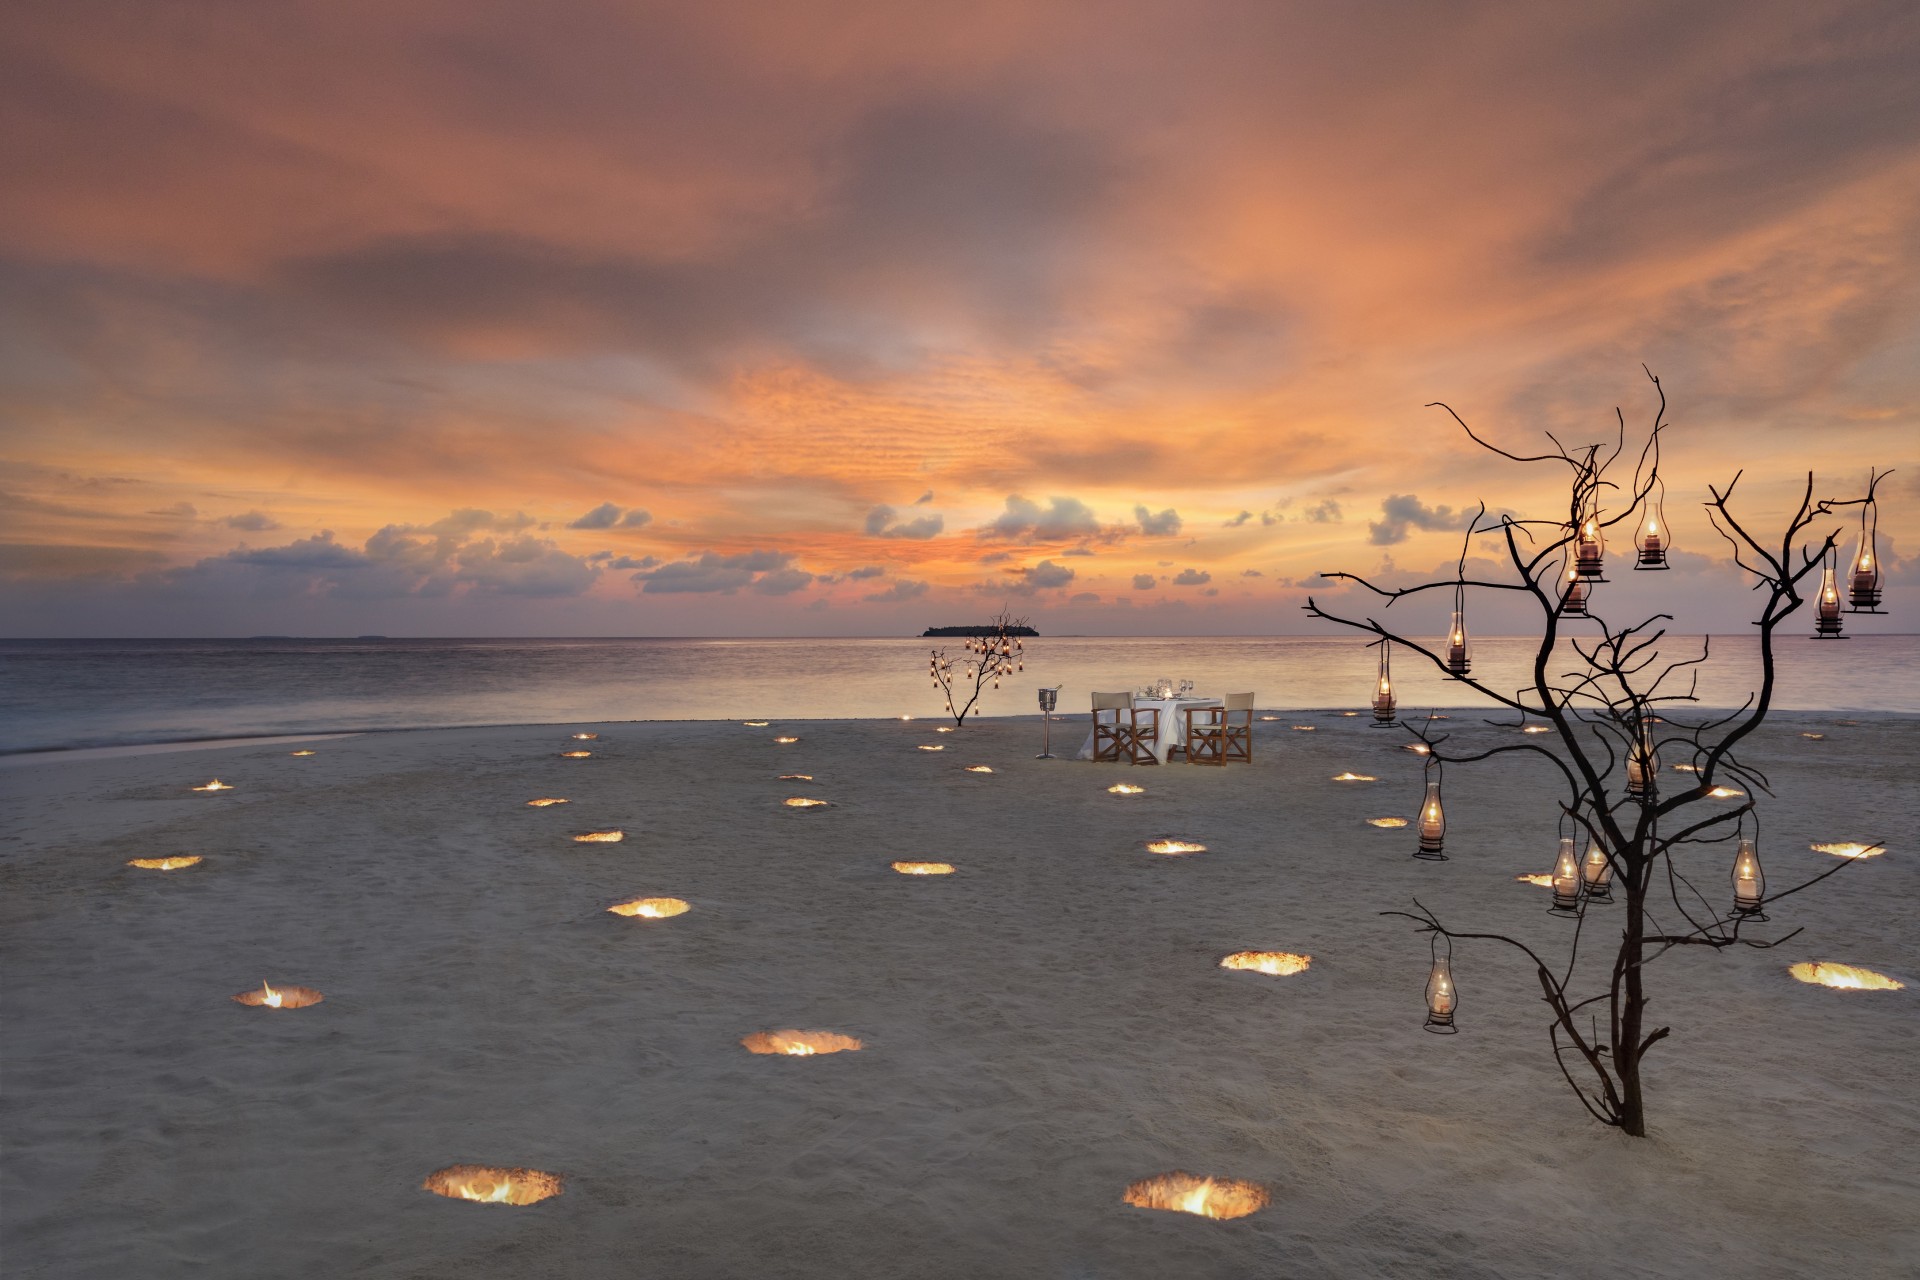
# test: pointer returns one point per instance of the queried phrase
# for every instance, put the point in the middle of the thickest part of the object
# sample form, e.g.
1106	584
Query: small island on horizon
978	631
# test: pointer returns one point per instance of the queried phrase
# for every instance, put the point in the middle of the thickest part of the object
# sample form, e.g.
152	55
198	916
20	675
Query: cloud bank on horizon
757	318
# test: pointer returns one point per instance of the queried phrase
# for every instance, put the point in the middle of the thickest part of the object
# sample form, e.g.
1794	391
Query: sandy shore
1041	1028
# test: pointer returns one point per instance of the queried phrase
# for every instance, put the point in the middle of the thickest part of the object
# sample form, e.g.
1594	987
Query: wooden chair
1112	736
1143	732
1216	735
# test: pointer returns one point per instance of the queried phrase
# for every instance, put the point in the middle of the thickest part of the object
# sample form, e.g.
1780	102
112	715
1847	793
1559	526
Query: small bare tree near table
1614	719
985	660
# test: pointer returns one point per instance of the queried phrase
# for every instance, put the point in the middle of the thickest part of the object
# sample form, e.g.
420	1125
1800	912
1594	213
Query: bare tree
985	659
1615	716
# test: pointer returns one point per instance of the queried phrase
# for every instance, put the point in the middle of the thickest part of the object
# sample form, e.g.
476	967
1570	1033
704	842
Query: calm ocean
83	693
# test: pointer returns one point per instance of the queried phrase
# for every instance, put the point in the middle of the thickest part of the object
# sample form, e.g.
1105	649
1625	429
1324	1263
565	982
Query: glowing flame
165	864
546	802
785	741
1418	748
945	728
1175	846
1686	768
299	753
754	724
1386	822
937	746
1537	728
794	777
906	717
1815	737
1722	793
576	755
215	785
1304	728
799	1044
1278	963
979	768
1544	882
585	737
1184	1192
1349	713
1846	977
802	802
924	868
1850	849
600	837
650	908
1124	789
1350	776
485	1184
269	996
1269	717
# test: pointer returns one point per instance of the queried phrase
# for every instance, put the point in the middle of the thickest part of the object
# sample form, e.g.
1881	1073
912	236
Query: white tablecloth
1173	723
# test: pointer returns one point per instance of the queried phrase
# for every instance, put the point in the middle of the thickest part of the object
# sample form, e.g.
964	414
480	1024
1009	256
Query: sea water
80	693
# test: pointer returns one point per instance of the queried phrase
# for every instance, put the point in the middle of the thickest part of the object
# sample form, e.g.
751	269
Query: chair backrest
1239	702
1112	702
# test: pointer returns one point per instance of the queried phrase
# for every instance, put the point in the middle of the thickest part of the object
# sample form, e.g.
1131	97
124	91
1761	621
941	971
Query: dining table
1173	722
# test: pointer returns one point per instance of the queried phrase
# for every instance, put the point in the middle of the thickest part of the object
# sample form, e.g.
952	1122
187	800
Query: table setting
1174	700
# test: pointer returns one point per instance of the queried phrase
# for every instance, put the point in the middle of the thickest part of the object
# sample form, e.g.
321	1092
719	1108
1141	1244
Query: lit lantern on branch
1652	540
1643	760
1442	998
1566	880
1573	602
1826	610
1596	873
1749	882
1863	582
1433	819
1459	658
1590	550
1383	705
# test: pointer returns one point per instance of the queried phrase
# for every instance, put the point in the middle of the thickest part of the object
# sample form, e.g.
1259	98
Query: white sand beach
1040	1028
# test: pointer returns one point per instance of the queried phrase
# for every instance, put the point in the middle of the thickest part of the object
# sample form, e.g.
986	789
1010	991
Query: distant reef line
977	631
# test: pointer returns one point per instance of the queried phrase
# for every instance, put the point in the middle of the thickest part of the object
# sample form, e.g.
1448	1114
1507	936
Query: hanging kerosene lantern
1826	610
1459	658
1383	704
1442	998
1863	581
1596	874
1566	879
1749	882
1573	601
1652	540
1590	549
1433	818
1643	760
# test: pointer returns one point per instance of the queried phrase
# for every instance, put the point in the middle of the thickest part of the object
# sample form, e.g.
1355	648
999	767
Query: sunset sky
575	317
